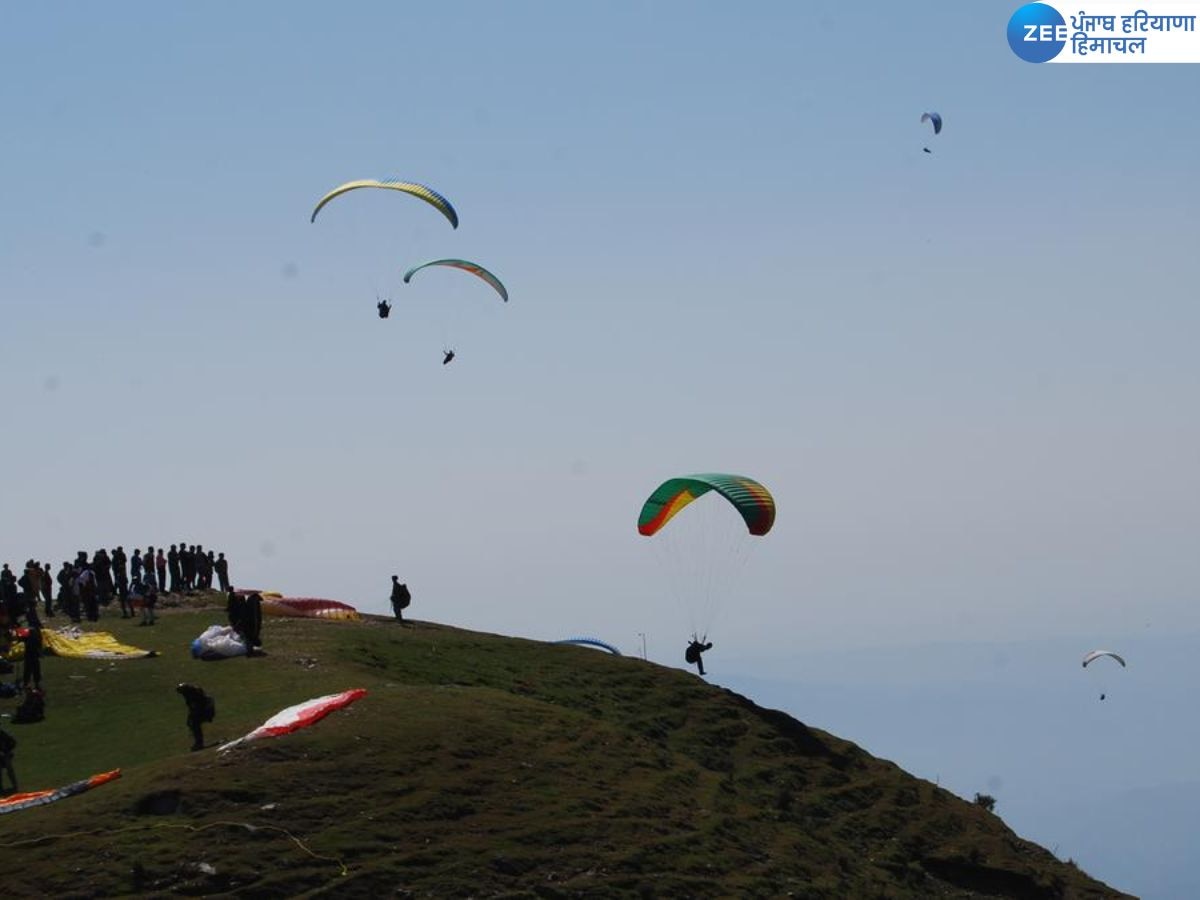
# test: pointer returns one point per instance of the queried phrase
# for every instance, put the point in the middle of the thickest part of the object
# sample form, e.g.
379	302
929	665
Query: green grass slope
477	765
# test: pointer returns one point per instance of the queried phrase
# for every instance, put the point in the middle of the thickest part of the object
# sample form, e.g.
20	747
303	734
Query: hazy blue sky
969	378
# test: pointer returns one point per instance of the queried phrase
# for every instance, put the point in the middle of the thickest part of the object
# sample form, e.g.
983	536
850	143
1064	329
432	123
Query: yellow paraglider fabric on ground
76	644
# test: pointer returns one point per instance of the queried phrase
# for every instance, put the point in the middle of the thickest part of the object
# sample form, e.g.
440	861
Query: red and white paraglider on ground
275	604
296	717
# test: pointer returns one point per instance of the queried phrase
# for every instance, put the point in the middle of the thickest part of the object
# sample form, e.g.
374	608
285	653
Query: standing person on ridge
48	589
187	565
30	583
85	587
116	561
148	575
102	568
401	598
68	601
160	566
222	567
173	568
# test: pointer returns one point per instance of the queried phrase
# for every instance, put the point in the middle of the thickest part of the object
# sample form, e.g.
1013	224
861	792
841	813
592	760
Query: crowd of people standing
88	584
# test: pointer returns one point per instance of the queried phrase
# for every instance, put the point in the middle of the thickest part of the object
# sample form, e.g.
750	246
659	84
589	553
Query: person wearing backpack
8	744
201	708
401	598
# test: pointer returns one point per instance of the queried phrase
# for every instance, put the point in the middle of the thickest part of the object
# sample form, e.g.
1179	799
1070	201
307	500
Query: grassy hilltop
477	765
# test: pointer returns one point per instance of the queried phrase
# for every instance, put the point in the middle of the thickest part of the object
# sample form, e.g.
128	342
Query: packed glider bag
218	642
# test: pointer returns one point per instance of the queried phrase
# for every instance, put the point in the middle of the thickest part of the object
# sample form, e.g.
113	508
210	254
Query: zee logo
1037	32
1046	33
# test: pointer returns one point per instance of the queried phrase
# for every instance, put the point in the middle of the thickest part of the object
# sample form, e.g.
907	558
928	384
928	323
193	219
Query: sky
968	377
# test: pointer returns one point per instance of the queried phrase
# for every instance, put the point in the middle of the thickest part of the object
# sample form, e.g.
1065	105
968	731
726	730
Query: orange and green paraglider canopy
752	501
467	266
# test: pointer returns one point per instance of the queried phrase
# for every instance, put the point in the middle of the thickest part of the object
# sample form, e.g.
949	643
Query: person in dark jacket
117	561
187	566
174	570
222	568
252	624
693	653
8	745
48	589
68	600
85	586
200	709
401	598
235	611
32	638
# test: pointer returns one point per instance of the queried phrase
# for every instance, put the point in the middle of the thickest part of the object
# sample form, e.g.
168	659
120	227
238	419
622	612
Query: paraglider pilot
200	708
694	649
449	356
384	308
400	598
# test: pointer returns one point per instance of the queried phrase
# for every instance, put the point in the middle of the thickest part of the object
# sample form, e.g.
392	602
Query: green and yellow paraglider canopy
752	501
428	194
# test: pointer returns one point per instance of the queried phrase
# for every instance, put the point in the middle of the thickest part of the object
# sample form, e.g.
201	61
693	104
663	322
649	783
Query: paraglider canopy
935	118
467	266
1096	654
591	642
703	550
752	501
428	194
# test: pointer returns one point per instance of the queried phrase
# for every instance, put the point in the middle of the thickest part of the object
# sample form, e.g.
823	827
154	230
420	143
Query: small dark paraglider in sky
936	120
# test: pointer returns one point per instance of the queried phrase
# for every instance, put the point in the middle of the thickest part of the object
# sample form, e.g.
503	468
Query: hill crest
481	765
